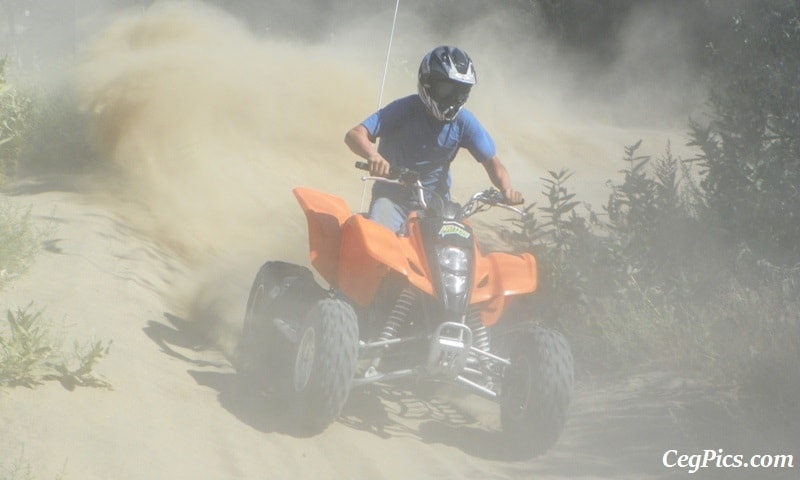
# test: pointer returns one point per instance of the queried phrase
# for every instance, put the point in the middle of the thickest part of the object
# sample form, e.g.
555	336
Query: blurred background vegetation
690	264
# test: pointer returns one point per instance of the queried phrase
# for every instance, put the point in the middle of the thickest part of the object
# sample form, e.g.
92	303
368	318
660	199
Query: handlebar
406	177
403	175
490	197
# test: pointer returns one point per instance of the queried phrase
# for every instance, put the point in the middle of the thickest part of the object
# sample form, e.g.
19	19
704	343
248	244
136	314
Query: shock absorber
480	334
396	319
398	316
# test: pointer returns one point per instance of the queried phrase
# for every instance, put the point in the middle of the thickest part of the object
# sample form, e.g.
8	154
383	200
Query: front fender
499	276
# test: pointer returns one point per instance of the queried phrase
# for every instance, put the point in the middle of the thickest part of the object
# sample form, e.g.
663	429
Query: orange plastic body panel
325	215
499	276
369	251
354	254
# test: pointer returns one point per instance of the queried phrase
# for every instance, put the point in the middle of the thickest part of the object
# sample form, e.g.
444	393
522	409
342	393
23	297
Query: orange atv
427	304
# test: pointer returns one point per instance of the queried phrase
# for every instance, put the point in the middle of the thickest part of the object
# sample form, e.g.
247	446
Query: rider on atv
423	133
427	305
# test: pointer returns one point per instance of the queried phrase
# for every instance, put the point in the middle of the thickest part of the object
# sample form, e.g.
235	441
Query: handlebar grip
403	174
393	173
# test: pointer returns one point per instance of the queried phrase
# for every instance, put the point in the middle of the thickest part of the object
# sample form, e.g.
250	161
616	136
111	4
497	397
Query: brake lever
493	197
403	176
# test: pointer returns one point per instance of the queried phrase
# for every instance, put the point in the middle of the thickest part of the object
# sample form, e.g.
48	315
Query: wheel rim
305	359
518	388
261	297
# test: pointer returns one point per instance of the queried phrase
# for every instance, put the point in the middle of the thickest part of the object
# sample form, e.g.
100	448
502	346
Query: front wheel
325	362
537	388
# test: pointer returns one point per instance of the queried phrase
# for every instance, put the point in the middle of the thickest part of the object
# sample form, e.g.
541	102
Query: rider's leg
388	214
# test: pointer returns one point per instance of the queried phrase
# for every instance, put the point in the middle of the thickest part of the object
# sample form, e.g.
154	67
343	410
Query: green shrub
750	150
20	469
27	349
648	281
55	141
31	352
19	240
15	115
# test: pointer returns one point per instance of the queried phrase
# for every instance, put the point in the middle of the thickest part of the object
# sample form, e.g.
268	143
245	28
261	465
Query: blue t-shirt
411	138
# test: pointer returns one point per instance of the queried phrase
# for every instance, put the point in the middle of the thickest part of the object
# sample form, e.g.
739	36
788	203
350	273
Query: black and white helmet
446	76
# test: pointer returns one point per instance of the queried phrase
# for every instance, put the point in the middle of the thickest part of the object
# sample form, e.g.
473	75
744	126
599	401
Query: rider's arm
358	140
500	179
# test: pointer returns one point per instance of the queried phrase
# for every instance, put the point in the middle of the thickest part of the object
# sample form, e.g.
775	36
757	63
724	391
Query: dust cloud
206	127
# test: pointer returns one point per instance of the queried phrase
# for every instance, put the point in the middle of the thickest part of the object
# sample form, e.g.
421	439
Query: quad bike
427	304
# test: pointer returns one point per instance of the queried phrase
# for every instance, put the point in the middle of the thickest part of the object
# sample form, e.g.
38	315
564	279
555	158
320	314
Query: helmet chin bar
450	113
447	115
443	115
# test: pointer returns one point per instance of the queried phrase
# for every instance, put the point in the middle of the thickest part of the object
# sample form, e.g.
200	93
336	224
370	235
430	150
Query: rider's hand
512	197
378	166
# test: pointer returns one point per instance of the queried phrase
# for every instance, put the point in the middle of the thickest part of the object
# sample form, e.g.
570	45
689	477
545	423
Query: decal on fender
453	229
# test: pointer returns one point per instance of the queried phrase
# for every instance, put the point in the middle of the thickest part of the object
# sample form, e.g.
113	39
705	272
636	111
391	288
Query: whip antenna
388	52
383	82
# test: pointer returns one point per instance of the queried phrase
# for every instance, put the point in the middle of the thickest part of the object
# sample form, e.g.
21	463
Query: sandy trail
176	412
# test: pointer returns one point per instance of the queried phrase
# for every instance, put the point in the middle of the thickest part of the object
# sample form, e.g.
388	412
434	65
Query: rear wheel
537	388
280	291
324	363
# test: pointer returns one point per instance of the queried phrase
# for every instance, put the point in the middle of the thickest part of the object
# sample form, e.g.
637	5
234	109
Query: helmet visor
450	93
